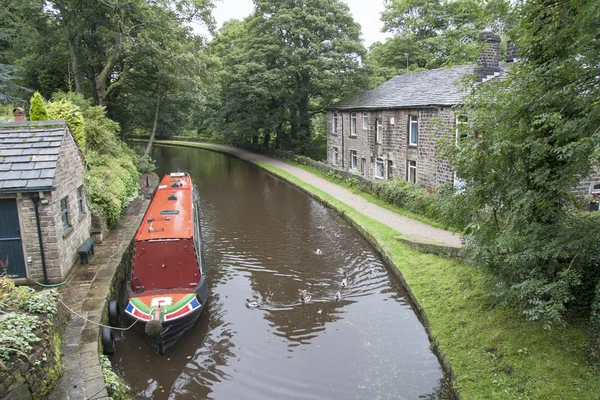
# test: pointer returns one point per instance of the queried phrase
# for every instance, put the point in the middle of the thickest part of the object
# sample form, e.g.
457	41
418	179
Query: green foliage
145	164
594	345
116	387
17	334
38	109
403	194
283	65
113	183
538	139
434	33
64	109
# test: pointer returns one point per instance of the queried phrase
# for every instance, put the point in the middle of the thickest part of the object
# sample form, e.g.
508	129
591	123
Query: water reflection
261	240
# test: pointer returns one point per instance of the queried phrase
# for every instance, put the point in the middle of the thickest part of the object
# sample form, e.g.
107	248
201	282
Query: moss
115	385
493	353
54	370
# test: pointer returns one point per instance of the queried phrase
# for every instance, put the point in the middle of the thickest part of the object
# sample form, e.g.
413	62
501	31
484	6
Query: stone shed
44	217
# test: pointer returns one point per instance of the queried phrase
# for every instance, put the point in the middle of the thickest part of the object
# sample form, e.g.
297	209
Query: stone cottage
392	130
43	213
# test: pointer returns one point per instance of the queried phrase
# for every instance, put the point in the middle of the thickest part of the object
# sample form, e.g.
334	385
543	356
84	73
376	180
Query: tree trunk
102	78
303	137
74	64
149	147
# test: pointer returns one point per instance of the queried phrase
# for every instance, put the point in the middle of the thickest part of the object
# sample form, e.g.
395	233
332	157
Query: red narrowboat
167	290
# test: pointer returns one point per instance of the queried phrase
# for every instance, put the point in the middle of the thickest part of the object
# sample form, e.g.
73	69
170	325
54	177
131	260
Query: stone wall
434	123
60	246
585	187
33	378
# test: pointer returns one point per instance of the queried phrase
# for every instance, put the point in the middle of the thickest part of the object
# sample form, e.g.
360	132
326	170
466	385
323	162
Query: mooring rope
97	323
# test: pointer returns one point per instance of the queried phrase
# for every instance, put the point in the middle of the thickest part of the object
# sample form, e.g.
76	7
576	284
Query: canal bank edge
391	266
494	352
87	292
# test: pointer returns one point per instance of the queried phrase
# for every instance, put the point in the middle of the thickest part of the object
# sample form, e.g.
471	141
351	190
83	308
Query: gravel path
413	230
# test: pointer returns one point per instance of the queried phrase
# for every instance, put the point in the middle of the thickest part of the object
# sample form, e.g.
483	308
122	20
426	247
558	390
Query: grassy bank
493	353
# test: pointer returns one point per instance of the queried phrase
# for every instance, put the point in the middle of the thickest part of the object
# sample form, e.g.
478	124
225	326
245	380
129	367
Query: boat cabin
167	247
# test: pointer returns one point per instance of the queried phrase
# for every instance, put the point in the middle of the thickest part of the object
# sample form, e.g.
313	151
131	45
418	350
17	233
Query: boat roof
170	215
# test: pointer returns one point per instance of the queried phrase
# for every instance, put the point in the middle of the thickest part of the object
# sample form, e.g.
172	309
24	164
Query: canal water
265	241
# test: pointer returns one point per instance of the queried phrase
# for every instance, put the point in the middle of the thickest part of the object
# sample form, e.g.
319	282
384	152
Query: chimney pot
18	113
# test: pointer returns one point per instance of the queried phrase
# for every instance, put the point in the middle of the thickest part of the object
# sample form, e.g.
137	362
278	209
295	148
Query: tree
284	64
434	33
38	109
538	137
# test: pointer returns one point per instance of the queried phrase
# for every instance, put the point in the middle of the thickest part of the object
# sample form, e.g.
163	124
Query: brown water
261	239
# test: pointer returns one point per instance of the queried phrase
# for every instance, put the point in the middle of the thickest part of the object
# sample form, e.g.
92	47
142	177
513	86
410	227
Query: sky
365	12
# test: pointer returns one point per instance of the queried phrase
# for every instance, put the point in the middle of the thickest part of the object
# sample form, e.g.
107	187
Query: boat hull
172	330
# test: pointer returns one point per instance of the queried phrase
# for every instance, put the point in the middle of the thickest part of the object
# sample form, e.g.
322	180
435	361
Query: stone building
393	130
44	217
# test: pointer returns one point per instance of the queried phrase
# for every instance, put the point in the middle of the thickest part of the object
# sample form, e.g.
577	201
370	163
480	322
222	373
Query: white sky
366	12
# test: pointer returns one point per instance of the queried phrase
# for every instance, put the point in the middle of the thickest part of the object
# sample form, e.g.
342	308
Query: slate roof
436	87
29	155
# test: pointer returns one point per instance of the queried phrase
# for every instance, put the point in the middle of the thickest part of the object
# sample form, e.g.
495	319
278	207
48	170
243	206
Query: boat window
169	212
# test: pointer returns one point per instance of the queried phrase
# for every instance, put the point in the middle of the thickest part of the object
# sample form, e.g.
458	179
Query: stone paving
85	293
413	231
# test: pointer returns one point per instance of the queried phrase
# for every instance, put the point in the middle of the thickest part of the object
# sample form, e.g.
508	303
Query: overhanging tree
538	137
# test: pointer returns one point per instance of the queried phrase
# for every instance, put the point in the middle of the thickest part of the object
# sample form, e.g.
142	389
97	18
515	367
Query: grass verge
493	352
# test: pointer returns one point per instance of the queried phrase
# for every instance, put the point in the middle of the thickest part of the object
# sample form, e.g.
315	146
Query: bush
403	194
71	113
112	183
38	109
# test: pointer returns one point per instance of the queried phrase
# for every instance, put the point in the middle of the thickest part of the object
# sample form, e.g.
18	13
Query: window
363	166
336	156
379	169
413	135
461	128
390	168
365	121
379	135
353	124
354	158
411	171
335	122
80	199
64	212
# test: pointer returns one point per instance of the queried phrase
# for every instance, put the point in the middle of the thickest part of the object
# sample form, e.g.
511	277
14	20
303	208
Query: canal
265	241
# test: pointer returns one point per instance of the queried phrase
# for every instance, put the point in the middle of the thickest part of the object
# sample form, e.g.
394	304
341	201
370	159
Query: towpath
85	292
411	229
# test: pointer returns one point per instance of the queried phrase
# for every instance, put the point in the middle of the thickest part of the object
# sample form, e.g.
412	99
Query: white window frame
461	122
335	122
336	156
353	124
413	123
379	131
353	160
365	121
379	161
389	167
411	171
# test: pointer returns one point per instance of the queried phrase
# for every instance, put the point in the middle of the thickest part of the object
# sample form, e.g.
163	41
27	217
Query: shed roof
436	87
29	155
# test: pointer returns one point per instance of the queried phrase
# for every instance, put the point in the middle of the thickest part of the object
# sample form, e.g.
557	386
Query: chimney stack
18	113
489	61
512	52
